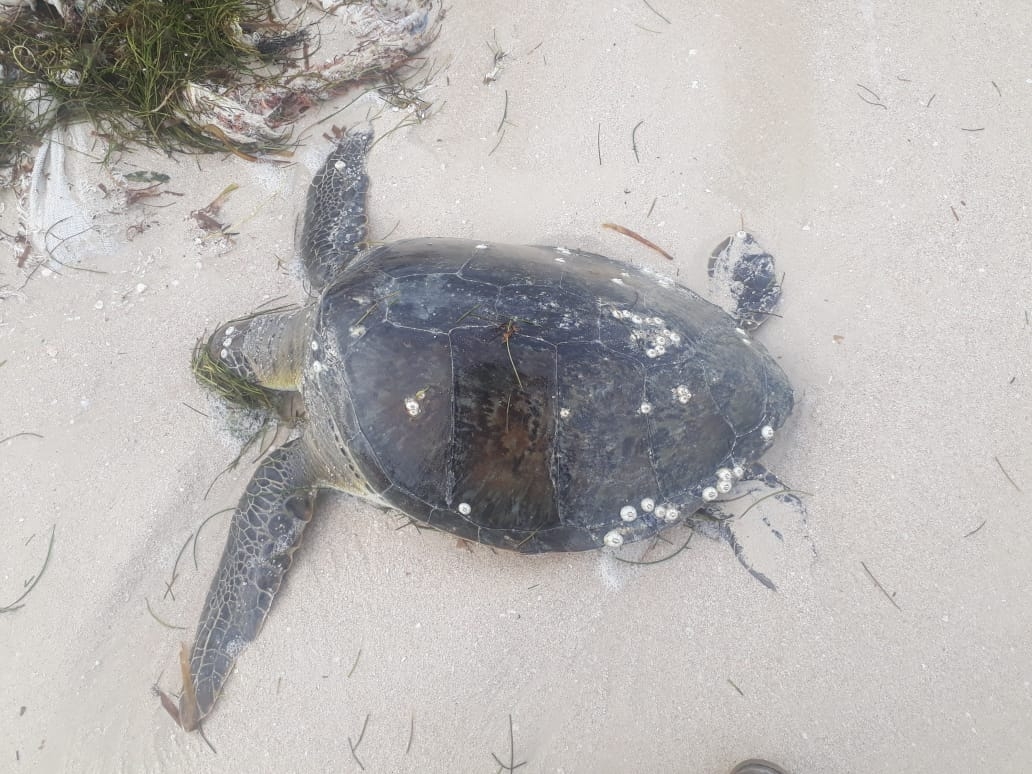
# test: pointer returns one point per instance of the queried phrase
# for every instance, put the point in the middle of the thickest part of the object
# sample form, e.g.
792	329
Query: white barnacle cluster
767	433
227	342
464	509
413	403
681	393
649	333
564	413
357	331
726	478
668	512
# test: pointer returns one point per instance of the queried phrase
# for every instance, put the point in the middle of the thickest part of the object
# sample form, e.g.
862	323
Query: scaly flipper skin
335	218
265	532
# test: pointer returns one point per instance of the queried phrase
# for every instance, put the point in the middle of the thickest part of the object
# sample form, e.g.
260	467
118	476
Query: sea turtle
529	398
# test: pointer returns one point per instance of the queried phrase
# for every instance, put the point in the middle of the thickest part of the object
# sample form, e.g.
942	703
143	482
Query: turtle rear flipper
265	531
771	537
335	218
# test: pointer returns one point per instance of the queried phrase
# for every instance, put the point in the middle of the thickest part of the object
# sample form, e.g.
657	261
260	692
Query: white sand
751	112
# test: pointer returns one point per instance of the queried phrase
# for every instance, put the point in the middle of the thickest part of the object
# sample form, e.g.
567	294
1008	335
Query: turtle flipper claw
265	531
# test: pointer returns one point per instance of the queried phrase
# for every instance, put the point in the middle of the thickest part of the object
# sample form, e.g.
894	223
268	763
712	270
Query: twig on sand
634	141
661	16
876	101
195	410
46	560
636	236
355	665
500	138
1006	474
505	113
888	596
354	745
671	555
19	435
191	538
732	684
976	529
160	620
512	765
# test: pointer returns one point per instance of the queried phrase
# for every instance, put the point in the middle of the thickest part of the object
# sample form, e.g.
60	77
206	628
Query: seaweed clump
125	66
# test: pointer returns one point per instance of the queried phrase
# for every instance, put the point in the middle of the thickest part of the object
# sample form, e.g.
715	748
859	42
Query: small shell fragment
613	539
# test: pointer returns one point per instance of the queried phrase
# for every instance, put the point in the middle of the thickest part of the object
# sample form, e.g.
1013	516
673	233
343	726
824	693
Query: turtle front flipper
335	216
266	529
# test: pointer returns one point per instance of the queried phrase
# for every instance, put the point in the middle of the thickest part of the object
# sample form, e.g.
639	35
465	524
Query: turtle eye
721	247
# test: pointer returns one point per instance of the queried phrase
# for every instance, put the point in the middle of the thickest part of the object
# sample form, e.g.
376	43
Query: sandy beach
881	151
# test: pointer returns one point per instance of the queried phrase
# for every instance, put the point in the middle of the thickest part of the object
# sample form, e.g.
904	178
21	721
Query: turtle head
253	362
739	266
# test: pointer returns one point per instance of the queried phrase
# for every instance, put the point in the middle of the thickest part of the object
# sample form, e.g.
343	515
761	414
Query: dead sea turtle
529	398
